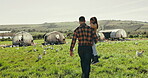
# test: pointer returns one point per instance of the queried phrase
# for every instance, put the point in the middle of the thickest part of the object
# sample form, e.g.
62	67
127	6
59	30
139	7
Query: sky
40	11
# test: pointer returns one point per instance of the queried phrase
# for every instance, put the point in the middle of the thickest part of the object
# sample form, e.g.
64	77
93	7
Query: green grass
117	60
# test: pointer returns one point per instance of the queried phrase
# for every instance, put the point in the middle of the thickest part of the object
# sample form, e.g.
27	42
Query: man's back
85	34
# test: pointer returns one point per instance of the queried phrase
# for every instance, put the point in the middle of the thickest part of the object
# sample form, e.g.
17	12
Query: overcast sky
40	11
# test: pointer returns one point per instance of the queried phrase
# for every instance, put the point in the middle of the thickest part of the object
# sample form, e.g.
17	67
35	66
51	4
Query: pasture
117	60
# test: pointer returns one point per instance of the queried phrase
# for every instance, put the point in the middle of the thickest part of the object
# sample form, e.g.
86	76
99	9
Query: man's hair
82	19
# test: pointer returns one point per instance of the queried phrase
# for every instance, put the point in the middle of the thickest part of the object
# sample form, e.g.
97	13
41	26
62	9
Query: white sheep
57	50
136	43
34	50
44	52
40	56
51	48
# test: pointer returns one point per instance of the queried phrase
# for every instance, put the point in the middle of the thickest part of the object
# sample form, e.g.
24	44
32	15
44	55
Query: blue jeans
94	50
85	54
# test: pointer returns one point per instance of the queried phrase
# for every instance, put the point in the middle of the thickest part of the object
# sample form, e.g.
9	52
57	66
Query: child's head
93	20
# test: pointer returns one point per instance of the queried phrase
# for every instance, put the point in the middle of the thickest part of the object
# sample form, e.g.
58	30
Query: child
94	25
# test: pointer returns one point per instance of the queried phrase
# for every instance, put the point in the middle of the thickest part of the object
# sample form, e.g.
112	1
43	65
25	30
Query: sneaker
95	60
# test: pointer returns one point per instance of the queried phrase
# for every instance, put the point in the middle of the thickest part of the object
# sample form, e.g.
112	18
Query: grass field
117	60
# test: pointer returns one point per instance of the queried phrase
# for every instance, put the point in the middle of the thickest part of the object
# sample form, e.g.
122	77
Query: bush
6	39
35	37
131	36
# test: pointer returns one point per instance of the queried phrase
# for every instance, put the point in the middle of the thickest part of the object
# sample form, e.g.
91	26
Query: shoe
95	60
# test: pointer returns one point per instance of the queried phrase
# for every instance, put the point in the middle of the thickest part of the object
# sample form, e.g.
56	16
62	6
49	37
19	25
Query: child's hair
93	20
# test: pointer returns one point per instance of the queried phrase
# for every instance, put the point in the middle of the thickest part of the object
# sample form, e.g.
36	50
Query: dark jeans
85	54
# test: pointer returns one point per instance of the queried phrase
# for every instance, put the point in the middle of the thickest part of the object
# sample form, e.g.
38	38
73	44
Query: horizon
38	12
68	21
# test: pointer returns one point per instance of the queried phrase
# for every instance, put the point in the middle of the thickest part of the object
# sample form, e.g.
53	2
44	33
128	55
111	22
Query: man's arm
95	37
73	41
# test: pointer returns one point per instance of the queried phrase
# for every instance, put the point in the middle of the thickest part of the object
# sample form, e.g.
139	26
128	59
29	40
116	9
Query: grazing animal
57	50
45	48
136	43
34	50
48	47
139	53
44	52
39	57
42	46
51	48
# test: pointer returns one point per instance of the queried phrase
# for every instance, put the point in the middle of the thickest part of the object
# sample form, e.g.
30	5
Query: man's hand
71	53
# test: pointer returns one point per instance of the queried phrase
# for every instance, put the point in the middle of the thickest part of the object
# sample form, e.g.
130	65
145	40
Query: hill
129	26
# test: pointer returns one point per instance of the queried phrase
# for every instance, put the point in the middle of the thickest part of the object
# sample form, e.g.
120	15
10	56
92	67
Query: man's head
81	19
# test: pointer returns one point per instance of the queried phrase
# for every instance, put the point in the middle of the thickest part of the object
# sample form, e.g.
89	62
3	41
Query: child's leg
95	55
94	50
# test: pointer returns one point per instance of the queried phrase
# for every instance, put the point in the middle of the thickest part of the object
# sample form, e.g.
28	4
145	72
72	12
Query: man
86	37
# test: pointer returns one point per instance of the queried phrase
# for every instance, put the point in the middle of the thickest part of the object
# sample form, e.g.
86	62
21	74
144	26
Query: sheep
57	50
45	48
34	50
44	52
42	46
136	43
51	48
